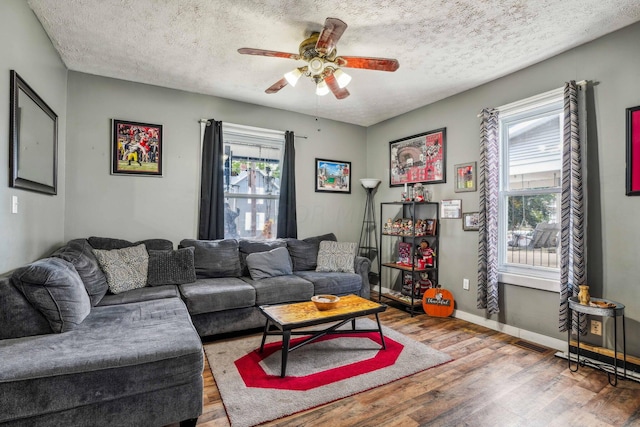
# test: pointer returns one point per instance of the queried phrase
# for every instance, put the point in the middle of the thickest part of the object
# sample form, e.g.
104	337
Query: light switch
14	204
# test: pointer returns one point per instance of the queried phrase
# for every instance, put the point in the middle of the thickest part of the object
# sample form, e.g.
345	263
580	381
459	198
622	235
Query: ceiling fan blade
272	53
333	29
277	86
340	93
378	64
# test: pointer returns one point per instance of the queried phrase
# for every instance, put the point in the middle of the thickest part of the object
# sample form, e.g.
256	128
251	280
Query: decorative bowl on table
325	302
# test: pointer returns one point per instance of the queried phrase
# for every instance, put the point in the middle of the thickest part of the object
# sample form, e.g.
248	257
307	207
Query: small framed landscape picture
333	176
470	221
465	179
136	148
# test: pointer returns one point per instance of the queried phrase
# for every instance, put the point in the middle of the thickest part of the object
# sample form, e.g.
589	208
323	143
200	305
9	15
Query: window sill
549	285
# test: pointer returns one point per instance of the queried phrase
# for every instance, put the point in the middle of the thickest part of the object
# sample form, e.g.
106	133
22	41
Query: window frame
536	277
254	136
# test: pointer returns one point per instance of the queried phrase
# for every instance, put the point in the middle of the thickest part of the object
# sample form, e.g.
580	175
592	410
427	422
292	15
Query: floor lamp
368	247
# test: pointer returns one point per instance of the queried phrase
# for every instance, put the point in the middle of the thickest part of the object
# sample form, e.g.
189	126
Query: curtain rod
580	83
297	136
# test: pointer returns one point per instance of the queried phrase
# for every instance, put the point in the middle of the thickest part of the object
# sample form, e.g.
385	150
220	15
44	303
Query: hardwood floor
491	382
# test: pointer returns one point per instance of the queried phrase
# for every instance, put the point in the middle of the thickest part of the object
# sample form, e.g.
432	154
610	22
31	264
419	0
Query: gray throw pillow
337	256
215	258
171	267
304	255
275	262
109	243
125	268
79	253
317	239
53	286
248	246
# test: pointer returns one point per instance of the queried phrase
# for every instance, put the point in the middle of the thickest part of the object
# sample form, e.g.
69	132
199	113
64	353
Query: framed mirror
33	152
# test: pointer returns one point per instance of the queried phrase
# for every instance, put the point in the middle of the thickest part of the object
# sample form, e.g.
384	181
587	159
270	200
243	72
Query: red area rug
329	369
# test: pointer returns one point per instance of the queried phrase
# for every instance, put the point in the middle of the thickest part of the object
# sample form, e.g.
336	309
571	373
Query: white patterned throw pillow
336	256
125	269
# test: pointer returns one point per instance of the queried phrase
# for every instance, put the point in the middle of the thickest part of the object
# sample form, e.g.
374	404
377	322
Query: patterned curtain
488	212
287	221
573	248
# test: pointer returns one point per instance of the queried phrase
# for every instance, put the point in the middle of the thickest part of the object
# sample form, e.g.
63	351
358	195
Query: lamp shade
322	88
342	78
293	76
370	182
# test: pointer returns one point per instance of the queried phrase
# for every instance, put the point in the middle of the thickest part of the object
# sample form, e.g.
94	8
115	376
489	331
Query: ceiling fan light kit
293	76
342	78
322	88
323	64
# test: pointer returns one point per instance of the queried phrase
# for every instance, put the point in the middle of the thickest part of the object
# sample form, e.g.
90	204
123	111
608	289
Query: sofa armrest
362	266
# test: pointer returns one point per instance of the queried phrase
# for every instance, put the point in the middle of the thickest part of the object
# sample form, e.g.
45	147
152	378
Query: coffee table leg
286	336
384	344
264	335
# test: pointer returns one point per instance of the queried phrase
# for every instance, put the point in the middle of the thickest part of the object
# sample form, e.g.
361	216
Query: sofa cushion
108	243
79	253
249	246
125	268
273	263
148	293
53	286
214	258
217	294
117	354
336	256
171	267
18	318
304	255
333	283
276	290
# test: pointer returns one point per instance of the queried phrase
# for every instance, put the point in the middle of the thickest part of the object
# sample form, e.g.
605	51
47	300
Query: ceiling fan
323	64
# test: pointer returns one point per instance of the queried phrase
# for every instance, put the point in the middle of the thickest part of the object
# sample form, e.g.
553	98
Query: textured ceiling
444	46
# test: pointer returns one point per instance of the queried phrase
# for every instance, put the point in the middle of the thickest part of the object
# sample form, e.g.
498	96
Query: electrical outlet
596	327
465	284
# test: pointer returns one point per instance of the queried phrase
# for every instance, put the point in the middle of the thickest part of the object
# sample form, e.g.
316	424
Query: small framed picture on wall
465	179
333	176
451	209
136	148
470	221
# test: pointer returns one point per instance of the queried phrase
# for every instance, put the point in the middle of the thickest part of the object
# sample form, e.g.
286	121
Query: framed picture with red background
633	151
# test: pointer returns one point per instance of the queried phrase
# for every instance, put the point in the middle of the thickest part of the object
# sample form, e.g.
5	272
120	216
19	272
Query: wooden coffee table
287	317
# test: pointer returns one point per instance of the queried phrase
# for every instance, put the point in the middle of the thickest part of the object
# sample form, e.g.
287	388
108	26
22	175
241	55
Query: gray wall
90	201
39	224
613	63
135	207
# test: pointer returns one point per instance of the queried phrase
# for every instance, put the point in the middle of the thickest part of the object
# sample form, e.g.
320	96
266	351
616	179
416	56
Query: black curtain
287	222
211	225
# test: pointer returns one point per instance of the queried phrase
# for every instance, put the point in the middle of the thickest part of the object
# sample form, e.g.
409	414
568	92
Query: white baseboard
534	337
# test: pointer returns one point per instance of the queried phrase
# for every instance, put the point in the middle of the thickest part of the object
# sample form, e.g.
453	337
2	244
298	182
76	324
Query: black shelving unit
405	282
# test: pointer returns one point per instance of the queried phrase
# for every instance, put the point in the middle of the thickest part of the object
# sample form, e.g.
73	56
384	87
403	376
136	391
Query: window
530	187
252	165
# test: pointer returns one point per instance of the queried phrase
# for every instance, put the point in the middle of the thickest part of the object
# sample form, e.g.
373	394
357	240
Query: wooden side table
613	311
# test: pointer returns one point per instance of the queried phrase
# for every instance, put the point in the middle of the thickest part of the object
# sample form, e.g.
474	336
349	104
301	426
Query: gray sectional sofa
75	353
